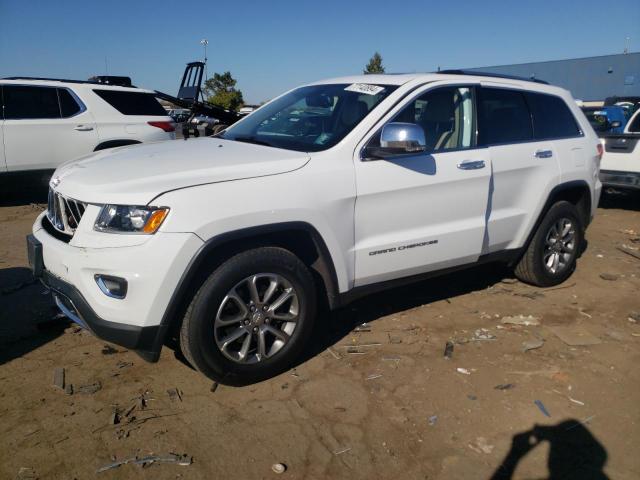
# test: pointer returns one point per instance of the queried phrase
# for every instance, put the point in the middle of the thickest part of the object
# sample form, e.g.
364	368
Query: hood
134	175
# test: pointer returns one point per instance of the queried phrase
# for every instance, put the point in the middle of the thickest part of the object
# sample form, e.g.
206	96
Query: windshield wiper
253	140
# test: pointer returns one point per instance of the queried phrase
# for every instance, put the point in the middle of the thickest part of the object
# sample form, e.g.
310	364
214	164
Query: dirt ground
372	401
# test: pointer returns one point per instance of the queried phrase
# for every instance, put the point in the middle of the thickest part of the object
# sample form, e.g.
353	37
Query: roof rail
65	80
489	74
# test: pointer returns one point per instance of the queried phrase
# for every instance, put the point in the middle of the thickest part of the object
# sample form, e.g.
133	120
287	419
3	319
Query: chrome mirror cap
403	137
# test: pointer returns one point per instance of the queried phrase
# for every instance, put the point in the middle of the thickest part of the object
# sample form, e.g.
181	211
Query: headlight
130	219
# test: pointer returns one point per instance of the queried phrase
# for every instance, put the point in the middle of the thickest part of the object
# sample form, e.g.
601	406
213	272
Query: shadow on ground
332	327
574	453
28	318
621	200
23	189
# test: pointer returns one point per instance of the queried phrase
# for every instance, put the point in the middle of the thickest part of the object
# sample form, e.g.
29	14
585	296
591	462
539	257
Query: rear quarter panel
112	125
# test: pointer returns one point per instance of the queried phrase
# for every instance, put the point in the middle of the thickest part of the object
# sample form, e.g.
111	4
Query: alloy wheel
256	318
560	245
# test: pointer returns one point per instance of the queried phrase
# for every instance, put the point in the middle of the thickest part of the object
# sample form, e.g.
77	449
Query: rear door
425	212
44	126
524	169
553	122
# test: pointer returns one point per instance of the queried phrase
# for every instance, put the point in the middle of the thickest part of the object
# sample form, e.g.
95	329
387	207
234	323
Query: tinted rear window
551	117
503	117
22	102
132	103
635	124
68	105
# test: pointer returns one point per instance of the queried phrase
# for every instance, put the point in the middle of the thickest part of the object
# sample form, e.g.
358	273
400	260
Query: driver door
423	212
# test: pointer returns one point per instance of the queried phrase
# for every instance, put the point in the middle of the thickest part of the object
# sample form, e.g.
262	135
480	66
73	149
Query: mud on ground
373	401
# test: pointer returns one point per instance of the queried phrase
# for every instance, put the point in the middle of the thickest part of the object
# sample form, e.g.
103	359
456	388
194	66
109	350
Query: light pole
204	42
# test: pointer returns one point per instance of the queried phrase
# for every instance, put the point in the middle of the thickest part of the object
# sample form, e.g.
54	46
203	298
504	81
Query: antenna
204	42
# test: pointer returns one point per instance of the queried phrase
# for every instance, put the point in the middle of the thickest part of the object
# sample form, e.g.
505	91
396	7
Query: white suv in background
228	245
621	158
47	122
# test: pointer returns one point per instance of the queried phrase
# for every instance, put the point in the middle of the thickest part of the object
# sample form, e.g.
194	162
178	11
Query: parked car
204	120
247	109
229	245
47	122
605	120
620	166
630	104
179	115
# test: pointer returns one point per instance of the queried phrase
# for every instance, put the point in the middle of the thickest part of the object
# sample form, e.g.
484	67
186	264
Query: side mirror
403	138
399	138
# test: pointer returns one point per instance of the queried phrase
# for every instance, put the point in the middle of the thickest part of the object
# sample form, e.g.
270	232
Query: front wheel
551	256
251	318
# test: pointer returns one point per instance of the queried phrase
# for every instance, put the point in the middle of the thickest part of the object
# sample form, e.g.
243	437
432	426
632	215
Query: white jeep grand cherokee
230	244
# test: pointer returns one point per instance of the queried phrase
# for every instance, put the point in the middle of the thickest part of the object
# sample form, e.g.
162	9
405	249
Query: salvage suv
227	246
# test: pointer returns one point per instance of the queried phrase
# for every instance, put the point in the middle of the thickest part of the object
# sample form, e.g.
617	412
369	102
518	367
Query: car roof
69	84
463	76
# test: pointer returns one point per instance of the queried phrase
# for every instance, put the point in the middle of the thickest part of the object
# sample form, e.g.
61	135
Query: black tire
218	128
197	340
531	268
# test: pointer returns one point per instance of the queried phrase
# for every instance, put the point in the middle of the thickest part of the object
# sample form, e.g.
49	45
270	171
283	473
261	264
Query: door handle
83	128
471	165
543	154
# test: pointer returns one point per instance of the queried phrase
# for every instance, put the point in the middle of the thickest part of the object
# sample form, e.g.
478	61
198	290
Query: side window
445	115
635	124
551	117
132	103
503	117
68	105
22	102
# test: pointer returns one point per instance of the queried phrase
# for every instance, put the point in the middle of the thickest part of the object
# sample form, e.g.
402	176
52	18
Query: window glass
22	102
309	119
445	115
503	117
132	103
68	105
635	124
551	117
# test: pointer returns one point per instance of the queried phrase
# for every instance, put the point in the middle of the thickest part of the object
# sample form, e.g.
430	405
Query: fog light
114	287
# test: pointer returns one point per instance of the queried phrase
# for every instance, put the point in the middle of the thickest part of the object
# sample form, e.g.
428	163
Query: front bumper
152	271
146	341
612	178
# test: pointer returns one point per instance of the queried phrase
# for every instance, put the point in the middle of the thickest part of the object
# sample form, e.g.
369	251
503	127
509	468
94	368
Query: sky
274	45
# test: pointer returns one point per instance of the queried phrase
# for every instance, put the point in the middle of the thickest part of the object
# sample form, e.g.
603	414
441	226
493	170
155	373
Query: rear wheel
251	318
551	256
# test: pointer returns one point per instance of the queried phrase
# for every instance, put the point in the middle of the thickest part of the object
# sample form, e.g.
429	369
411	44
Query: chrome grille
64	213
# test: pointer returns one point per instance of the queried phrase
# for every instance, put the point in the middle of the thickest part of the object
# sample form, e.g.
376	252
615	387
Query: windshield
309	119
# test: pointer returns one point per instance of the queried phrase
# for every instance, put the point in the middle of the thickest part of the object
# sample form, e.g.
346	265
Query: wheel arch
576	192
301	238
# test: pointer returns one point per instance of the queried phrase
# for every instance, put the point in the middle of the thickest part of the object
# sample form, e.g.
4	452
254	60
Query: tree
221	90
374	65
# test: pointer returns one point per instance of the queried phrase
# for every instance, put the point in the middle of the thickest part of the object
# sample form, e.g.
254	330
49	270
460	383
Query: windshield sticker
364	88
